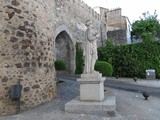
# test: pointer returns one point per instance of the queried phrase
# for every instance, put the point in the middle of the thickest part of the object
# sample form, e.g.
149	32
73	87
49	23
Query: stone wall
118	26
27	52
113	18
30	31
71	15
119	37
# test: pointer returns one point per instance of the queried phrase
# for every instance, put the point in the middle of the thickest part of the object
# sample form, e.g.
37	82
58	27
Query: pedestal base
91	87
108	105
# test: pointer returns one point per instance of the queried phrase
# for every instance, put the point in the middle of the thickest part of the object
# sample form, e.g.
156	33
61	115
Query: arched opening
65	50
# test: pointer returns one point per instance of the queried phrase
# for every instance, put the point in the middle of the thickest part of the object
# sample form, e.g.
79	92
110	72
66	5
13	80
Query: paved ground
134	107
143	82
130	106
141	85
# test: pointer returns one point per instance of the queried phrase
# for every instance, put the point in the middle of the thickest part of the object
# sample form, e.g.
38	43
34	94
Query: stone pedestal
92	99
91	87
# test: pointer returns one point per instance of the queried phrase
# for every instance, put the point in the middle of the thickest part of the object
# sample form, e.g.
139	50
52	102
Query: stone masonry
70	21
118	36
118	26
26	49
30	31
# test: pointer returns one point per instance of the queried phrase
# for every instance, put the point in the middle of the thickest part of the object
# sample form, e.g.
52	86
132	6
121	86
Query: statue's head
88	23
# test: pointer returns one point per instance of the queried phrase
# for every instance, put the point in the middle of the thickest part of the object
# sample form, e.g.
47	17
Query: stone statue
90	48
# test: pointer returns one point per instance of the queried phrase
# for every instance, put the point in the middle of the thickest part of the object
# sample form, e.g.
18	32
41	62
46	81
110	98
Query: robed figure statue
90	48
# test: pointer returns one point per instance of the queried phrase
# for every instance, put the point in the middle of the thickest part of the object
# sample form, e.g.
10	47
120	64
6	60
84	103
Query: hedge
132	60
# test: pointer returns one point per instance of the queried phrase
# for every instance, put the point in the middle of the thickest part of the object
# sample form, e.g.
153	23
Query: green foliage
60	65
109	42
132	60
79	60
147	27
104	67
103	55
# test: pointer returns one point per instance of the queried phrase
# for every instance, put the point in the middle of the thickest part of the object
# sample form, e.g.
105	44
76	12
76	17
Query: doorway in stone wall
65	51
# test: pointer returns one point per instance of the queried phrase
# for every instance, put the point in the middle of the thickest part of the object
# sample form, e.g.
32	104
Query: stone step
105	107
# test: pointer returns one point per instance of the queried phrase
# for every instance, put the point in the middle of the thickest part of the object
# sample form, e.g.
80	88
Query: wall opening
65	51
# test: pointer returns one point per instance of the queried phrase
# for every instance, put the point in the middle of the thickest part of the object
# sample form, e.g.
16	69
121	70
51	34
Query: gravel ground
130	106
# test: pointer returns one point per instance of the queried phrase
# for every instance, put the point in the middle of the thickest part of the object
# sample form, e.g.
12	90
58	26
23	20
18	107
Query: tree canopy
147	27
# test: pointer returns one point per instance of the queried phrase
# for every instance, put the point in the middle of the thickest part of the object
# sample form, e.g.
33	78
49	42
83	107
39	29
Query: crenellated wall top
88	10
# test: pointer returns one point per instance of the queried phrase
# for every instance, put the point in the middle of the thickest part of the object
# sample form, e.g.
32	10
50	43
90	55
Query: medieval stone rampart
74	13
29	30
26	52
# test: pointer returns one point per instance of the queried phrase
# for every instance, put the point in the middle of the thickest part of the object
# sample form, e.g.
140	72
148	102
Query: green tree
147	27
79	59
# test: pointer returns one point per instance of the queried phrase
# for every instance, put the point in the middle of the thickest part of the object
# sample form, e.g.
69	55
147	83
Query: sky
133	9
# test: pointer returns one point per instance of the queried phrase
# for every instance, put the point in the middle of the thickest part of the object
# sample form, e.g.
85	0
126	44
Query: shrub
133	59
60	65
104	67
79	60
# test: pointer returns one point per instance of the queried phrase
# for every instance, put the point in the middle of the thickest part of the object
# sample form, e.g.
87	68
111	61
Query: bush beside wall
60	65
133	59
104	67
79	60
